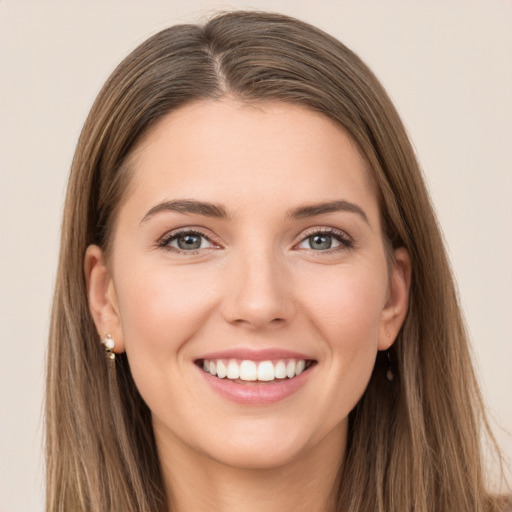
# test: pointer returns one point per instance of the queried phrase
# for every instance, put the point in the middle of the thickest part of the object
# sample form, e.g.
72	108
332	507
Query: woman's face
248	247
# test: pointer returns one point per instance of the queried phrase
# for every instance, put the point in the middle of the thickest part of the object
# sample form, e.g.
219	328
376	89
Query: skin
256	282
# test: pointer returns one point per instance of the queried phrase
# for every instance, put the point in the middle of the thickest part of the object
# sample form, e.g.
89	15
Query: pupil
320	242
189	242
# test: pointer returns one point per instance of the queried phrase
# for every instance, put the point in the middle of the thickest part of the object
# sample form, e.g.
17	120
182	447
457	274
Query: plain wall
448	67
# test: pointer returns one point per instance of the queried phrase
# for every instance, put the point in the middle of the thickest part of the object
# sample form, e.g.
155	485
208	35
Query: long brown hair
414	443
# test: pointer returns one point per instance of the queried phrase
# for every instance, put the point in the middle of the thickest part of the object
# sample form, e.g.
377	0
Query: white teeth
248	370
221	369
280	370
300	367
264	371
233	370
290	369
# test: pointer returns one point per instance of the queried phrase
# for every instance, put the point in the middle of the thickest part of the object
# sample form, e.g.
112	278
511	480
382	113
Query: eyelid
164	240
343	237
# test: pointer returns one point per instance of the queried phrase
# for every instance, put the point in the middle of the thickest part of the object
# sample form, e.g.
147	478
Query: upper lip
252	354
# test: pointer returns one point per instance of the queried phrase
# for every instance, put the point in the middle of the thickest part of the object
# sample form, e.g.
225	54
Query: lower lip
255	392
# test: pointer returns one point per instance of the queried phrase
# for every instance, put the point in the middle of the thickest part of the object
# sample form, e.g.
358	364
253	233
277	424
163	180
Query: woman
278	322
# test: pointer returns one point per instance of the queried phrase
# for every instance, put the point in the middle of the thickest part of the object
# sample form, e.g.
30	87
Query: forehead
243	153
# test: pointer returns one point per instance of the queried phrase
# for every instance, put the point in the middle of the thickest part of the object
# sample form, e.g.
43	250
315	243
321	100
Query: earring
389	374
108	343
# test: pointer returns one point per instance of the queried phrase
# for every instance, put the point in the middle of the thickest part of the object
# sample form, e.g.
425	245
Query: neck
197	483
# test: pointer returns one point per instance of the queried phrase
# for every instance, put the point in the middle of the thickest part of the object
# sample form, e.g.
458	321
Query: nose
259	291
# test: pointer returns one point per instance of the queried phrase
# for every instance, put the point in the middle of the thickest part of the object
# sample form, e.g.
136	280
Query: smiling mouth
246	371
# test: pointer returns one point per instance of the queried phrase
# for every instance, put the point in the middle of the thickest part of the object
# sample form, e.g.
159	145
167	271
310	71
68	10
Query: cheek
346	308
346	304
161	306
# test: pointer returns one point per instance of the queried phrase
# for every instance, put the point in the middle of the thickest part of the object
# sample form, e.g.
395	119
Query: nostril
259	322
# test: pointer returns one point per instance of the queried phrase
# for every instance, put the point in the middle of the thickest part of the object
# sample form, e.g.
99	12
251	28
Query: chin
261	444
254	456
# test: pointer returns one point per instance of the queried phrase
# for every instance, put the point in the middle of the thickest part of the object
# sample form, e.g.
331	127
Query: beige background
447	65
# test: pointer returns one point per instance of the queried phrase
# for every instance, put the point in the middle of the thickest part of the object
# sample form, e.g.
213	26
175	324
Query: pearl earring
108	343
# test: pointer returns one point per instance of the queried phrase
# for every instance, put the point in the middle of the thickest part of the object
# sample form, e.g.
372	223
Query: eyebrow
311	210
188	206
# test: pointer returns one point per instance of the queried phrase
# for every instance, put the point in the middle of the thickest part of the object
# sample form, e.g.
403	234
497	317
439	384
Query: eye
186	241
325	240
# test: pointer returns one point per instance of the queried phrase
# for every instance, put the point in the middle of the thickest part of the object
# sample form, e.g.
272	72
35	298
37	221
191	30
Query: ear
102	297
395	309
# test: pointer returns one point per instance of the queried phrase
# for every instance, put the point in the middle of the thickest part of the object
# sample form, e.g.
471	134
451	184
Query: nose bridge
260	289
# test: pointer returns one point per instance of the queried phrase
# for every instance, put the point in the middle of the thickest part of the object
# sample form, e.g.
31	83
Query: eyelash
340	236
345	241
164	242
